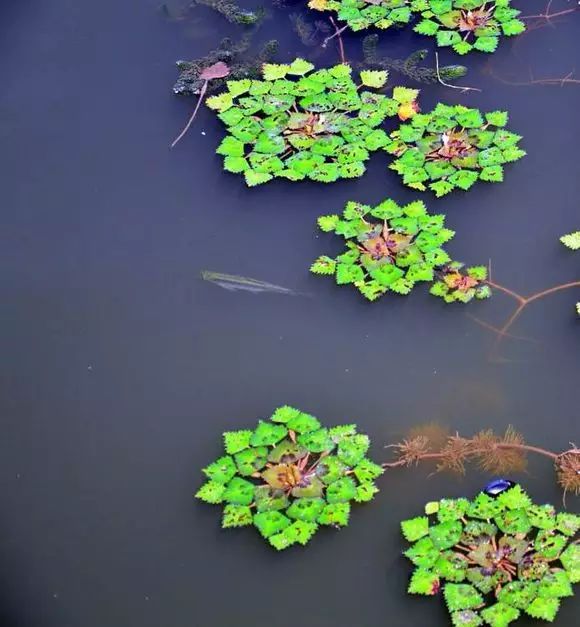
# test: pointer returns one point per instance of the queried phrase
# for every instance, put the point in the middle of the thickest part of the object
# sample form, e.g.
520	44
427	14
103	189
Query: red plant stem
501	445
337	34
192	118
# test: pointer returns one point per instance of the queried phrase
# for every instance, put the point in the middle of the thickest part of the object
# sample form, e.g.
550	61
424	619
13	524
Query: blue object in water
497	486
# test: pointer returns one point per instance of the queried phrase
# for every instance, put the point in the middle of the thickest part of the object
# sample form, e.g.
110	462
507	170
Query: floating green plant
454	284
234	13
468	25
494	558
392	248
571	240
298	123
452	147
363	14
290	475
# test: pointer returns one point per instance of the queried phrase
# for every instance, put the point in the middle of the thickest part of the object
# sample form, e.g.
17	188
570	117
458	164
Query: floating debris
308	32
235	283
233	13
242	65
409	66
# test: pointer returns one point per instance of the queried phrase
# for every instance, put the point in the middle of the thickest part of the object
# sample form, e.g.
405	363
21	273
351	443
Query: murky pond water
121	366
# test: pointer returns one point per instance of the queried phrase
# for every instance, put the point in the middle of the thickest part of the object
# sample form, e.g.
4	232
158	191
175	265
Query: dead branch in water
490	452
338	34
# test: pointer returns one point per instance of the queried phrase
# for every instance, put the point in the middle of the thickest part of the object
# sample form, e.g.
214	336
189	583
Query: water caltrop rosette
494	558
290	475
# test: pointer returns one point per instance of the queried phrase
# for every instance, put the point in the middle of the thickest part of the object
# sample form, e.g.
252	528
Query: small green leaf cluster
289	476
391	248
494	558
362	14
454	284
467	25
452	147
297	123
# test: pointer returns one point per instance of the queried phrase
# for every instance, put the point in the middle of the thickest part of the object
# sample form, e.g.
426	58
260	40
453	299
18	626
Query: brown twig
338	34
568	79
192	118
522	303
547	15
442	82
492	453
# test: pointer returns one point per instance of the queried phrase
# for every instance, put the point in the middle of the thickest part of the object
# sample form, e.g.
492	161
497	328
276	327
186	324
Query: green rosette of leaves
298	123
467	25
389	248
457	284
289	476
452	147
363	14
494	559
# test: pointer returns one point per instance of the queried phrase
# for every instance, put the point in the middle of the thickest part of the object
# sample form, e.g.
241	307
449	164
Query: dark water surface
121	367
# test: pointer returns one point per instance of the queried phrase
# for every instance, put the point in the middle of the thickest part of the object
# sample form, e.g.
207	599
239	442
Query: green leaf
256	178
500	615
497	118
493	173
424	582
452	509
512	153
316	441
237	88
352	449
235	165
464	179
323	265
230	146
374	78
549	545
462	47
270	523
348	273
570	559
365	492
427	27
415	528
518	594
284	414
470	118
331	469
486	44
513	521
466	618
303	423
446	534
405	95
236	441
272	71
513	27
515	497
423	553
568	524
461	596
221	102
555	585
236	516
222	470
211	492
335	514
341	491
308	509
300	531
269	500
251	460
267	433
480	273
441	188
300	67
571	240
544	609
239	492
447	38
367	471
452	566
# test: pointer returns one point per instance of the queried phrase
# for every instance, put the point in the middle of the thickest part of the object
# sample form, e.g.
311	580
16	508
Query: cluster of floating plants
363	14
297	123
572	241
392	248
289	476
468	25
494	558
465	25
453	147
